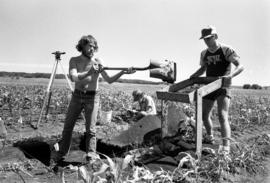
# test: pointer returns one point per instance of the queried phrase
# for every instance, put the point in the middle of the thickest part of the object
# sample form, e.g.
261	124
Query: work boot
56	161
209	139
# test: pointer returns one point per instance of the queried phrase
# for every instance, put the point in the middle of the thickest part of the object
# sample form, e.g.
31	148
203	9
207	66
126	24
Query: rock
135	133
11	155
175	118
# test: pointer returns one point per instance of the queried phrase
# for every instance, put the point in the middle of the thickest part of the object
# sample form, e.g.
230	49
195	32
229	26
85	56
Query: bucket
165	71
105	117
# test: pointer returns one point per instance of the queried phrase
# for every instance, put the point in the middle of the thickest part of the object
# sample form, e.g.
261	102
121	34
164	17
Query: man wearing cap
146	104
216	61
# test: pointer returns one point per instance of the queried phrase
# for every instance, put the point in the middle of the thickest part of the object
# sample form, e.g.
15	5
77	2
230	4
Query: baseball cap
208	32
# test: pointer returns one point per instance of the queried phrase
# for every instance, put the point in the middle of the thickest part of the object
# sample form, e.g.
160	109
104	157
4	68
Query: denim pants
90	105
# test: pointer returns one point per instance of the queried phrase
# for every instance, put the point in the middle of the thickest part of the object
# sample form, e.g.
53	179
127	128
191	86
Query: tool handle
126	68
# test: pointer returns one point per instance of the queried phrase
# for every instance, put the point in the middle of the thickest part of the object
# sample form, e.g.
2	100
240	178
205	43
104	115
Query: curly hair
86	40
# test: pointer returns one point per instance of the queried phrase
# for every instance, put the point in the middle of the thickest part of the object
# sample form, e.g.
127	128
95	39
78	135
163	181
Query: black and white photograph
129	91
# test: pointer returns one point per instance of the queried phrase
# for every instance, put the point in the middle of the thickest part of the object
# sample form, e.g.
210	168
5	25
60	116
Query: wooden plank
192	97
204	80
180	85
209	88
174	96
199	123
170	93
188	82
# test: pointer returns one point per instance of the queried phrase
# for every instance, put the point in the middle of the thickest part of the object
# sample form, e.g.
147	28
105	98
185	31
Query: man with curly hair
85	70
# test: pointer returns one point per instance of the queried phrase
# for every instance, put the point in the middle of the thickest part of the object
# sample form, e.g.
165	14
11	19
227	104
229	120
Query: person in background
216	61
85	70
146	104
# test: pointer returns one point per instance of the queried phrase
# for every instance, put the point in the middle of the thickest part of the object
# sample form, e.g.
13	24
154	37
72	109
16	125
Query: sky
134	32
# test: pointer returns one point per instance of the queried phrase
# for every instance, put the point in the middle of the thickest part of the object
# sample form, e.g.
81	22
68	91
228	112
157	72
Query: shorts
219	92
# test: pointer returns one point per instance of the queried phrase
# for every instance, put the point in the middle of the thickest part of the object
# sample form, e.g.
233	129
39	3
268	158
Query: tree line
252	86
18	75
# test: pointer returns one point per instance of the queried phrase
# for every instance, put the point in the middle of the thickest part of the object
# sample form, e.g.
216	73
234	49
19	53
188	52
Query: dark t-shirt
218	63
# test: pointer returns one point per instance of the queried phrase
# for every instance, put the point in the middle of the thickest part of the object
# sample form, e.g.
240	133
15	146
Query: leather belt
85	92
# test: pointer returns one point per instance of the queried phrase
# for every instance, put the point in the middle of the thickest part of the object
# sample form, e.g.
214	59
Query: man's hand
132	111
226	77
227	80
93	69
100	66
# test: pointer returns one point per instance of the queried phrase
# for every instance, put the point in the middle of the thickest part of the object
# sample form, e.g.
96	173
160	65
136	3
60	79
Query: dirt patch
26	152
28	158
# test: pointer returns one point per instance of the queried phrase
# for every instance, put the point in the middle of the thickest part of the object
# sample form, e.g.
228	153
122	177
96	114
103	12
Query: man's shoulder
77	58
227	50
225	46
203	52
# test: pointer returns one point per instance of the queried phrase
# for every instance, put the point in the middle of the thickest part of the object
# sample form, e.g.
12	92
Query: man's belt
76	91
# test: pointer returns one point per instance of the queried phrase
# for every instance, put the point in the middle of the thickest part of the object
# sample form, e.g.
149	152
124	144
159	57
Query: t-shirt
218	63
147	104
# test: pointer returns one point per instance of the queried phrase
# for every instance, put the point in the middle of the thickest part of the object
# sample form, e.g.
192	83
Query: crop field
20	105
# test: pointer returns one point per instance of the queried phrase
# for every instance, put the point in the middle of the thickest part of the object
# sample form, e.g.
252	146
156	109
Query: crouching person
146	105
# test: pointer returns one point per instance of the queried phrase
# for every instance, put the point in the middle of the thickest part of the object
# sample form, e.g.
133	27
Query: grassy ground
249	114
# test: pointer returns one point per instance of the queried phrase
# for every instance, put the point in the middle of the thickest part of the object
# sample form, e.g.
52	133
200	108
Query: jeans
90	105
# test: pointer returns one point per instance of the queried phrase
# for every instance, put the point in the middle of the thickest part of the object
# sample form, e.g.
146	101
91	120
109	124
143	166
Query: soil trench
41	149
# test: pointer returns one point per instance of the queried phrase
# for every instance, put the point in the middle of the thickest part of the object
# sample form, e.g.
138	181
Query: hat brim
203	37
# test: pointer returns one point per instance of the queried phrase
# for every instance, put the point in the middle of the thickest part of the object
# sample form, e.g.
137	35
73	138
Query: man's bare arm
79	76
238	68
199	72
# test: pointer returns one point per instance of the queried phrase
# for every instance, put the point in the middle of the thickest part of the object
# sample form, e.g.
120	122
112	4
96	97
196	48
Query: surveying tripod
48	92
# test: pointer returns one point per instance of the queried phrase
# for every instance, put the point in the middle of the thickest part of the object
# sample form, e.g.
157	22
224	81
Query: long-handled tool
162	70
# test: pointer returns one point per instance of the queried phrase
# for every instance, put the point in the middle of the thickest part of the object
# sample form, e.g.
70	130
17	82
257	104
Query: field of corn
21	102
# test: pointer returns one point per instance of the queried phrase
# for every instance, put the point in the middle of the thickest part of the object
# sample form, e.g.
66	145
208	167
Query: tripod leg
42	109
48	105
47	93
68	81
